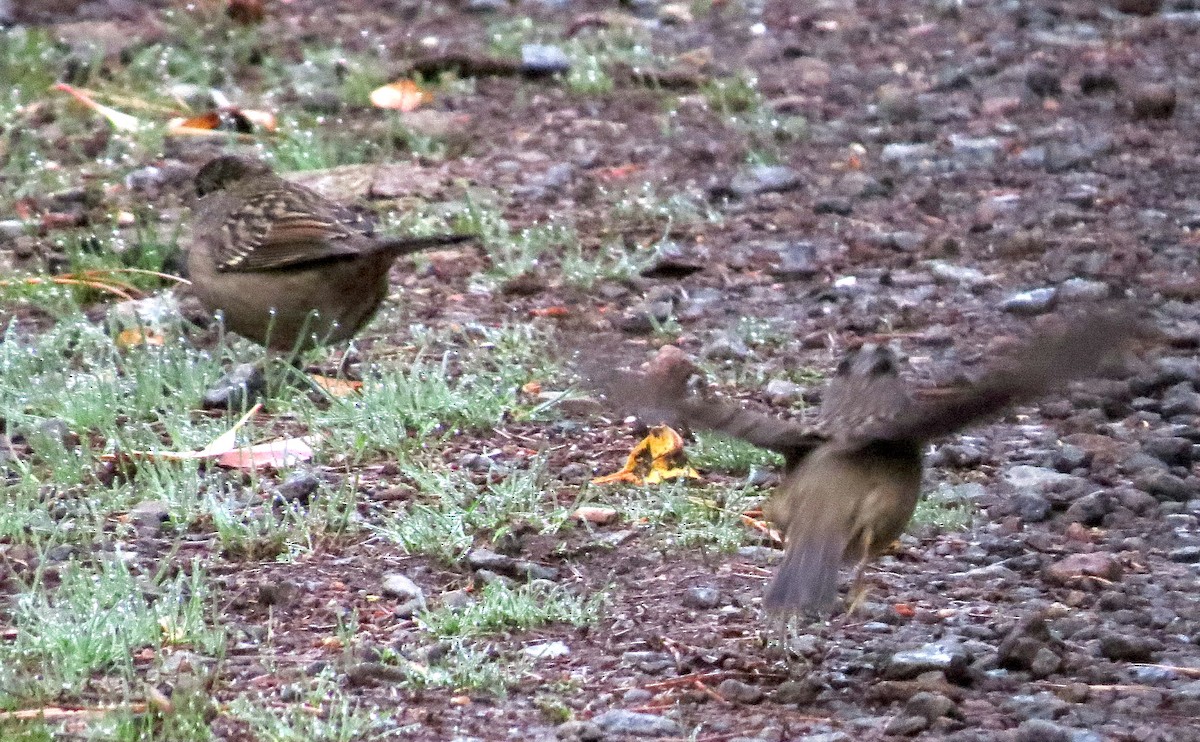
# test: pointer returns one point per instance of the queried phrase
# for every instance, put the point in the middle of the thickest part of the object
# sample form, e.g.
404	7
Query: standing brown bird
287	267
852	478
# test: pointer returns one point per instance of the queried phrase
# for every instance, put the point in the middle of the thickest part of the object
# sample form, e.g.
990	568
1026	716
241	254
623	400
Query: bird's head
869	361
222	171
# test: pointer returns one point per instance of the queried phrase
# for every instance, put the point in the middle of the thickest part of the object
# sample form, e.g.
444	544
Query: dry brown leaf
336	387
225	451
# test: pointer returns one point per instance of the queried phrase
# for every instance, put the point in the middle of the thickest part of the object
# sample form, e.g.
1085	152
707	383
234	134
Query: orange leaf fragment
133	337
532	388
656	458
904	610
337	387
555	311
223	120
617	172
402	95
591	514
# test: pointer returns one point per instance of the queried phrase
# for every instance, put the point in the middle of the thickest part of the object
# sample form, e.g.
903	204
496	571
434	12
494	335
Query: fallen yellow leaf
656	458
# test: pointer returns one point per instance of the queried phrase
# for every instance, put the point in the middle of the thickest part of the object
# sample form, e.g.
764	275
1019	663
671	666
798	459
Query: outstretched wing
1049	360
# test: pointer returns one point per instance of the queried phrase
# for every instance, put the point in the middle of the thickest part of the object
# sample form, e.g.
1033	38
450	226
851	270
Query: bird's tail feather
409	245
807	580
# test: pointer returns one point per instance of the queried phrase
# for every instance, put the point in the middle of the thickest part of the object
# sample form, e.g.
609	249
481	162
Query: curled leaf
402	95
656	458
120	120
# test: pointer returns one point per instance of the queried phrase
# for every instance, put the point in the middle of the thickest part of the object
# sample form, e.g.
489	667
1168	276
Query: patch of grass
945	510
94	622
738	100
499	608
722	453
445	526
611	262
644	208
694	516
464	380
340	717
466	666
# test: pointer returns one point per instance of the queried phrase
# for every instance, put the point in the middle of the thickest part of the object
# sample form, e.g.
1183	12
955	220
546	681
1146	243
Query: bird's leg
858	590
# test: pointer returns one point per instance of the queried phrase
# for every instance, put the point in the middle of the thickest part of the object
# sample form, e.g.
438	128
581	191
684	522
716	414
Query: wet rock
904	726
485	559
486	6
1180	399
794	692
1043	82
908	158
1072	568
975	152
544	59
1164	486
237	390
149	513
1170	450
783	392
1128	648
1041	730
400	587
702	597
761	179
649	662
1026	478
579	731
1185	554
1153	101
546	650
1032	302
725	347
298	487
620	721
738	692
946	657
1081	289
1063	156
948	273
929	706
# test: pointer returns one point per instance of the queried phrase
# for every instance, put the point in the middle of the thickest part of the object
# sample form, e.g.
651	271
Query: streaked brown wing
285	227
